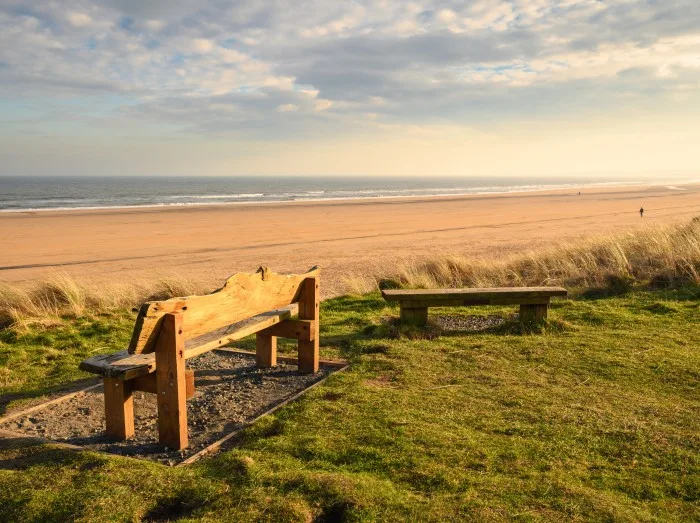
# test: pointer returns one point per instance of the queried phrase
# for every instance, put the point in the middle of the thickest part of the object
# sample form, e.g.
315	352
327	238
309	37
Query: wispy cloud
277	67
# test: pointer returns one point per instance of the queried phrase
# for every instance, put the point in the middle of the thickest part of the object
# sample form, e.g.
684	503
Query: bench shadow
353	344
176	506
37	452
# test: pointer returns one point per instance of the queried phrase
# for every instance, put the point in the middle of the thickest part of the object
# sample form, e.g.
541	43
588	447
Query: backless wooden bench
169	332
414	303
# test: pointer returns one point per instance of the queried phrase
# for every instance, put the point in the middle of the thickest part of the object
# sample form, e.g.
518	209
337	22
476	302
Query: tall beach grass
660	256
62	295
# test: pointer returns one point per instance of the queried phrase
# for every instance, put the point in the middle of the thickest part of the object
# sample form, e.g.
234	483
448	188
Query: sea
34	193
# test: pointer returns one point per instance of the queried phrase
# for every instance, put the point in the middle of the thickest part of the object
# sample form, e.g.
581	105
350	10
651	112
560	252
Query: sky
382	87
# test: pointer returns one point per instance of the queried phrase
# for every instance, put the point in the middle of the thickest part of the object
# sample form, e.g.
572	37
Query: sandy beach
344	237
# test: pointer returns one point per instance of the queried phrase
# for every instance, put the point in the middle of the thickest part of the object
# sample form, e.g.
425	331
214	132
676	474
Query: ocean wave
253	198
215	196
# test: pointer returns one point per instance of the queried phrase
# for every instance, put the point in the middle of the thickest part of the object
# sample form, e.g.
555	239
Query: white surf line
472	192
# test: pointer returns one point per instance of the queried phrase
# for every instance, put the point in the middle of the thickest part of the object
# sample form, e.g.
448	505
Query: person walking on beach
641	212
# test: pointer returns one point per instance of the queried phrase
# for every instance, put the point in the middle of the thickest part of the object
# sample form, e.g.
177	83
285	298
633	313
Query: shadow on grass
30	452
180	505
666	287
42	455
335	513
614	286
508	328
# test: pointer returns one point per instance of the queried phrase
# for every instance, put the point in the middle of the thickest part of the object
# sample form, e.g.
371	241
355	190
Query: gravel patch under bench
229	393
471	323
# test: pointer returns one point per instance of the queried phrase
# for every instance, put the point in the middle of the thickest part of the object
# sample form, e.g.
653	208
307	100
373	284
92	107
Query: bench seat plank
469	302
120	365
124	366
414	303
489	296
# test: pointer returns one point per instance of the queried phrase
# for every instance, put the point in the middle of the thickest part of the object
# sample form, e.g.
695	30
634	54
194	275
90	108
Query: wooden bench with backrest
533	301
169	332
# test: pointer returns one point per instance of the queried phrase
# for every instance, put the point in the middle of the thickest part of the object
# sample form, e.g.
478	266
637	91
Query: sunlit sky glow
532	87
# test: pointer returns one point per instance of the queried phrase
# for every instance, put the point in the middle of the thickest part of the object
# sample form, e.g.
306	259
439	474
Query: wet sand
344	237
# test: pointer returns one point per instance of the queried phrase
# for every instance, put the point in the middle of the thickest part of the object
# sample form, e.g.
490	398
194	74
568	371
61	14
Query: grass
62	296
663	256
594	417
37	359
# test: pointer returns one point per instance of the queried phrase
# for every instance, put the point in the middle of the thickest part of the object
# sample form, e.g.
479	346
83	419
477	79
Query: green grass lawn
594	418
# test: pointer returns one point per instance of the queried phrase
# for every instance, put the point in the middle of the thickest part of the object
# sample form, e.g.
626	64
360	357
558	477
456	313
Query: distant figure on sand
641	212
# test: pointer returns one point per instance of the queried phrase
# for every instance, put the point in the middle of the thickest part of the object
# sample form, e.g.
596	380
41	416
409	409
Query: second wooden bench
414	303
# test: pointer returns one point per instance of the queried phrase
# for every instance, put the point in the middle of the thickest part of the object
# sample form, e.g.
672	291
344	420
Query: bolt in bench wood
533	301
169	332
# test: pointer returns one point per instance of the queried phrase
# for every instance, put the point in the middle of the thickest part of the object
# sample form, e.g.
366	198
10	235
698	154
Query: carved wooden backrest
242	296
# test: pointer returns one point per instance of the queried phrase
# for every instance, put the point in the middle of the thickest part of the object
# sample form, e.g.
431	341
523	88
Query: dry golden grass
63	296
662	256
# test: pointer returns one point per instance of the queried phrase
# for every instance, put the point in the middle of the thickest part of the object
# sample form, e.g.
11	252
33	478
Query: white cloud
79	19
231	55
337	26
447	16
399	61
155	25
322	105
279	82
406	26
202	45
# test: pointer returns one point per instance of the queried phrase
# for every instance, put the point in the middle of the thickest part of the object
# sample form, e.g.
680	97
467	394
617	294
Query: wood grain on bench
125	366
242	296
482	294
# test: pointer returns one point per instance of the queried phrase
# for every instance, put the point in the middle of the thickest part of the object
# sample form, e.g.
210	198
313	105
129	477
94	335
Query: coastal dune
344	237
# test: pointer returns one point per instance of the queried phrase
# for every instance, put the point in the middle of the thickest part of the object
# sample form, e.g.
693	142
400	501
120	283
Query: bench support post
119	408
309	310
417	317
171	383
265	351
533	313
147	383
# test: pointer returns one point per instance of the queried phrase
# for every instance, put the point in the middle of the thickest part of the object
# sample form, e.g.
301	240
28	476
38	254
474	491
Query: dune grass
62	296
595	417
664	256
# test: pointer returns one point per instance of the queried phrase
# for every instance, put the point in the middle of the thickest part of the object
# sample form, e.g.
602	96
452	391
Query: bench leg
171	383
414	316
533	313
309	310
265	351
119	409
